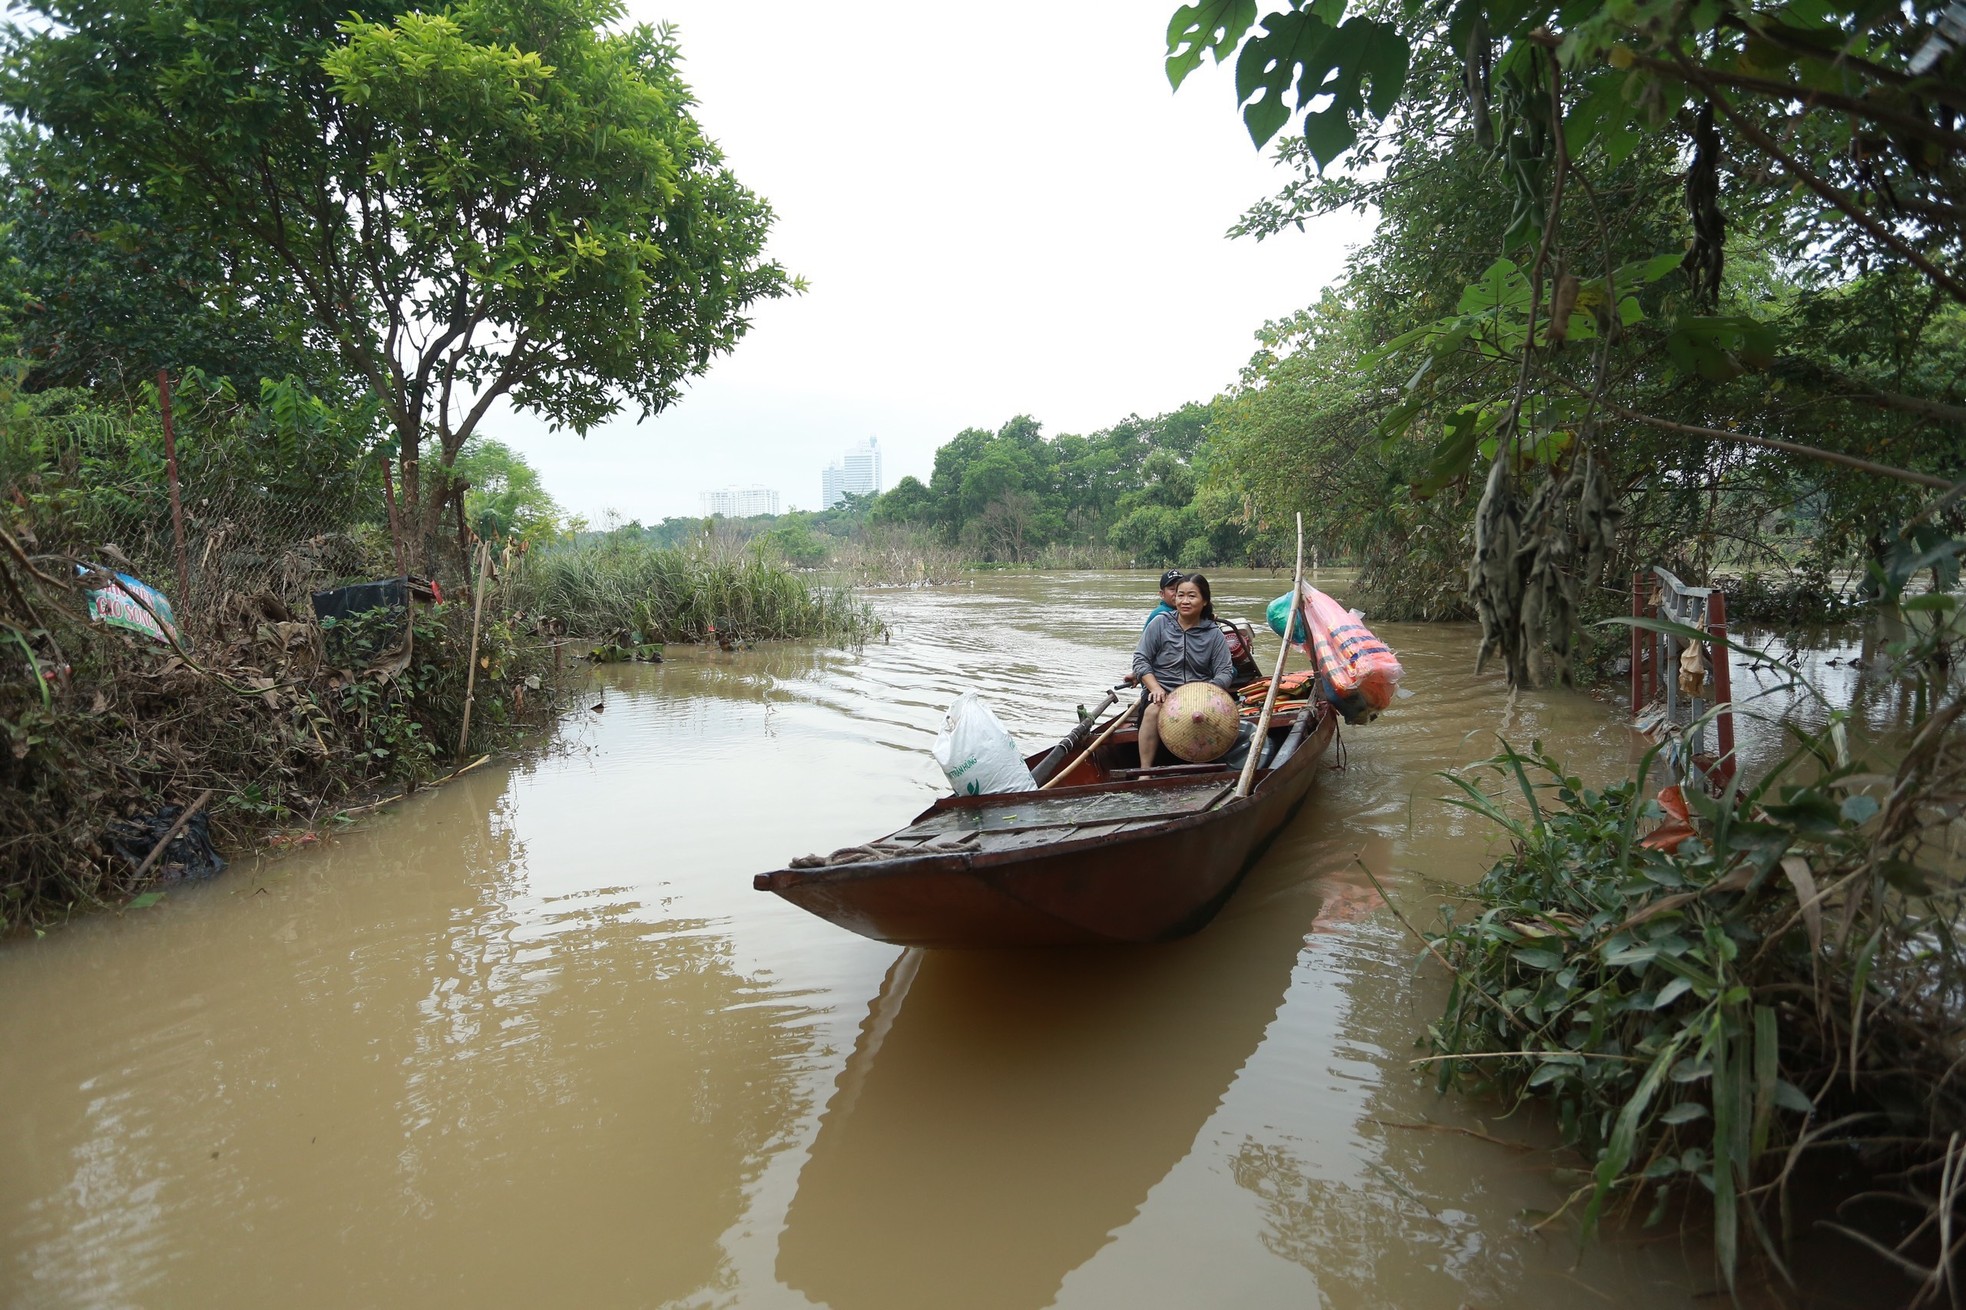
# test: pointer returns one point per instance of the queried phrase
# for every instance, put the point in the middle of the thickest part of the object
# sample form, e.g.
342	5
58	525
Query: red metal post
1640	643
177	504
1723	687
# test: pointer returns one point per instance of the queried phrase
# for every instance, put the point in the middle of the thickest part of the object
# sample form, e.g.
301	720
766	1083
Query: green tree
104	291
907	501
794	541
1663	316
503	498
1157	535
503	199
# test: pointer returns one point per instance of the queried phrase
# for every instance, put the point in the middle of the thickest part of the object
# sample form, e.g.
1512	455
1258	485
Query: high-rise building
740	502
858	473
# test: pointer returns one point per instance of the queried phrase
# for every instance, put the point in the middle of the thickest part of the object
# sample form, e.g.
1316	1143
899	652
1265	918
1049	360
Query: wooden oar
1257	743
1111	728
1070	742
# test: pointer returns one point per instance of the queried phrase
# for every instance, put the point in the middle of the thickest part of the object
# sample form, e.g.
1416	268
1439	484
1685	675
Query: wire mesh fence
235	511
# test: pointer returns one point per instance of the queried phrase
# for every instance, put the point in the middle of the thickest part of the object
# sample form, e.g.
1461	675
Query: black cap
1171	577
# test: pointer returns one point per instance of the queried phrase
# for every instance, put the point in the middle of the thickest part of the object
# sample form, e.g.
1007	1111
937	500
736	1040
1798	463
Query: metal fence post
395	528
177	502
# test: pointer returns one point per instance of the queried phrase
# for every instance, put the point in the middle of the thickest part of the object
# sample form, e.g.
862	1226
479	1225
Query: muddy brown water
533	1039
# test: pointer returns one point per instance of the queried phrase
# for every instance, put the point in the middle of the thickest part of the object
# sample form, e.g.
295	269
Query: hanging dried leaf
1529	564
1693	671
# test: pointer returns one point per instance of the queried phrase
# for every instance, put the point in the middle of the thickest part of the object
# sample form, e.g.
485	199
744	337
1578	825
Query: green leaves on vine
1491	327
1213	27
1721	348
1305	62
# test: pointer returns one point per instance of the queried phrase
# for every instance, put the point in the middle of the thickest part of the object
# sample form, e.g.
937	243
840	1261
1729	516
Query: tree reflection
413	1067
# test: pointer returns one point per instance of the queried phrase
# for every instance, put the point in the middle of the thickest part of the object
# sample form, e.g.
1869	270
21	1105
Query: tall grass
668	594
898	557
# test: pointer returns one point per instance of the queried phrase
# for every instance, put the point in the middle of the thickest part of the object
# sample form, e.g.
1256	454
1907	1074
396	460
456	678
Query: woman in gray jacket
1182	647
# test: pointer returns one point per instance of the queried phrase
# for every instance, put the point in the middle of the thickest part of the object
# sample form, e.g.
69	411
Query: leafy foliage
104	291
1695	1009
499	199
1013	496
1595	249
1303	56
504	500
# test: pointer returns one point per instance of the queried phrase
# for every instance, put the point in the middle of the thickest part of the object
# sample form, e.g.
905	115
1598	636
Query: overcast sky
1001	209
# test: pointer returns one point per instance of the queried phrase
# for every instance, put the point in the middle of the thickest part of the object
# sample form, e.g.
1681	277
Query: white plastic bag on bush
976	753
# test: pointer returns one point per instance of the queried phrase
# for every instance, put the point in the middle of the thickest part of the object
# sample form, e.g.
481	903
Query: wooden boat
1109	854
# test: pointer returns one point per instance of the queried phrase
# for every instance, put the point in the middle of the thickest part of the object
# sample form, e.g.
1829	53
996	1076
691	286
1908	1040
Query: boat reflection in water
1003	1114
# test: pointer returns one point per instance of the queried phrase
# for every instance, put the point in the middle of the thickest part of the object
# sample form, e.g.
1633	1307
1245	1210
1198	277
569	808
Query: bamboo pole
477	615
395	525
1248	779
1111	728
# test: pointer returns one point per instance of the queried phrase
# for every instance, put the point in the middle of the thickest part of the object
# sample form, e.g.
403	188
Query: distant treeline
1135	494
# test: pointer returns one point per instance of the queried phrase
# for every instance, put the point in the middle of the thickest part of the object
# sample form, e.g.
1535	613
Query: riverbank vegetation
265	721
247	358
277	720
1679	285
1726	998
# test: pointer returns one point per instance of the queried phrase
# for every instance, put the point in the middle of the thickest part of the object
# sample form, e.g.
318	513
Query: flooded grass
662	594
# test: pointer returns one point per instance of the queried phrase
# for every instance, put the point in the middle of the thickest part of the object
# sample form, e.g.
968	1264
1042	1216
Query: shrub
1769	970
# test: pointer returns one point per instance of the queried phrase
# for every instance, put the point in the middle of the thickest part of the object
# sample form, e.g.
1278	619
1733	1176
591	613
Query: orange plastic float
1358	672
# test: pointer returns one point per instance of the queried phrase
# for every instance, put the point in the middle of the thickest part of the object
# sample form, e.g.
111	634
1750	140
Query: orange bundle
1292	685
1361	670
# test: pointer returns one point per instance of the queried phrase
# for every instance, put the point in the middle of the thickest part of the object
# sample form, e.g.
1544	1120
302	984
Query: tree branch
1808	97
1883	235
1768	443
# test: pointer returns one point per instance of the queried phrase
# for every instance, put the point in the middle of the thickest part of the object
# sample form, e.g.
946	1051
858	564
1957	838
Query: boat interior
1084	802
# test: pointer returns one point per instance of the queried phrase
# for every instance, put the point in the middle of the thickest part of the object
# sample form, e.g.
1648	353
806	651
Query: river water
532	1038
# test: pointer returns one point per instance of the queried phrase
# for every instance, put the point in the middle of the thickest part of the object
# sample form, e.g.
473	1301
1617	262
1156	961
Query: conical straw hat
1198	722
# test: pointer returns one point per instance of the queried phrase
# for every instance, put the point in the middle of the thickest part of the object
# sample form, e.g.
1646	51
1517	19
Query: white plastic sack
976	753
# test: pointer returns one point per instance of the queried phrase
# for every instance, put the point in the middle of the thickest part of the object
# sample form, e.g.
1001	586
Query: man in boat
1168	582
1178	647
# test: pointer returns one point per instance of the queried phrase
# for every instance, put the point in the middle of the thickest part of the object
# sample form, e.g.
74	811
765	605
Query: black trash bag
1239	749
340	603
189	856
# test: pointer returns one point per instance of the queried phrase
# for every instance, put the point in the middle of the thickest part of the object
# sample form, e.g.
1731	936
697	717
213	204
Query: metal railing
1672	695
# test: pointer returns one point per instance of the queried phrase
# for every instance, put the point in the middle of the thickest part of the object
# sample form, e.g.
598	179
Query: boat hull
1147	881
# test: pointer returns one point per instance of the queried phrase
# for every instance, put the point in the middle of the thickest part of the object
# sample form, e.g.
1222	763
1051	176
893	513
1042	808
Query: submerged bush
1801	598
1764	972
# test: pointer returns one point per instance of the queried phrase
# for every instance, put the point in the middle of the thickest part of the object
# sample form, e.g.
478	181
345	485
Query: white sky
1001	209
